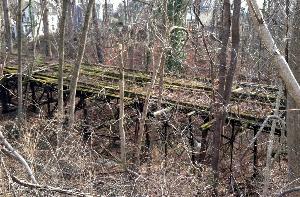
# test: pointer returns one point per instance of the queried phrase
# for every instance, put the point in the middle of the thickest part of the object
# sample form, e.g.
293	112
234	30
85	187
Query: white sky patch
115	3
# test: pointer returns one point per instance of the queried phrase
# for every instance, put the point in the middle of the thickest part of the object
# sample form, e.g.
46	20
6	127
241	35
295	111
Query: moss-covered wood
110	76
102	81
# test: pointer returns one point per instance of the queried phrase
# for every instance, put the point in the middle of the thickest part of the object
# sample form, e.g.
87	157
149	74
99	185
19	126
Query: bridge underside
189	99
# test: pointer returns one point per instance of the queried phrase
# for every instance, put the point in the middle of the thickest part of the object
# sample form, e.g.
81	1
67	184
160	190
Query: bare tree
143	118
283	67
165	21
20	69
219	114
33	26
61	57
76	70
48	51
99	49
8	37
105	14
293	116
121	107
235	39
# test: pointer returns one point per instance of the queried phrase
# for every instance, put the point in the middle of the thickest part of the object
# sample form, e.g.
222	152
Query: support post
203	147
4	96
165	137
232	140
255	150
147	143
191	137
48	102
33	97
86	133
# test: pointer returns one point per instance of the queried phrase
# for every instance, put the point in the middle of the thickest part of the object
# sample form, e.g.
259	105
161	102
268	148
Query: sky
115	2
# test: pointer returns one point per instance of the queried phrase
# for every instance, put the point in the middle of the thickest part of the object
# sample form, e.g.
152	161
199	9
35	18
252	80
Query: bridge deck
251	103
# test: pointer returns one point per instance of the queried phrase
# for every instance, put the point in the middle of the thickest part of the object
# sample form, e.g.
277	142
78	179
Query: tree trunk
105	14
293	116
235	36
97	37
287	12
163	58
20	70
48	52
7	35
32	24
76	70
60	108
121	109
125	12
176	10
283	67
142	120
219	114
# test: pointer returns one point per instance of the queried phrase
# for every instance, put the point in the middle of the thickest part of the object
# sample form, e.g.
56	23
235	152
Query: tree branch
49	188
284	193
16	155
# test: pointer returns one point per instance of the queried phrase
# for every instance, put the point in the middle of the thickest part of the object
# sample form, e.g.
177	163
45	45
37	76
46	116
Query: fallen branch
16	155
49	188
295	189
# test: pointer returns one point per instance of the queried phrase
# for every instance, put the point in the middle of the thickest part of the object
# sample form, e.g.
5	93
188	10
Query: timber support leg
86	132
255	158
33	97
48	93
232	140
4	96
165	137
147	144
203	146
191	137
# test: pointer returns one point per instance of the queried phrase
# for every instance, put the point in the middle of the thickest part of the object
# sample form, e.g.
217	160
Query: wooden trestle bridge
251	103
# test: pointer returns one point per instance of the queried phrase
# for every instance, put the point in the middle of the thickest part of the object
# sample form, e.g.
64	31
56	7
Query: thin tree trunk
293	113
1	13
76	70
48	52
61	49
125	12
35	40
20	70
121	109
32	24
148	47
218	126
105	14
8	38
97	37
287	12
267	173
145	109
163	58
235	36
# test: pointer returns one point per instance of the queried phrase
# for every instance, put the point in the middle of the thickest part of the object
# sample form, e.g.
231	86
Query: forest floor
93	166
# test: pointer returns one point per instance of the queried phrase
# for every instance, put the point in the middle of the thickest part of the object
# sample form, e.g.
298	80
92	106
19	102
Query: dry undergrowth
93	167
